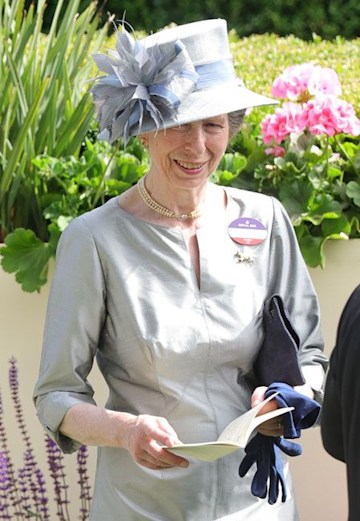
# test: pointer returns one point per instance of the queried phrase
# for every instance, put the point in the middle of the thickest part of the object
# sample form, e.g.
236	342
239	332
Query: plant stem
345	154
102	180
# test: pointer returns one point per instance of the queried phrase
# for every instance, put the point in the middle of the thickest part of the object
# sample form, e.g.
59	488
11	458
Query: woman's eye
180	128
212	125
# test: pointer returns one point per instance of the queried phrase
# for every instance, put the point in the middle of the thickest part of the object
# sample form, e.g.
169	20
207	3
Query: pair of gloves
265	451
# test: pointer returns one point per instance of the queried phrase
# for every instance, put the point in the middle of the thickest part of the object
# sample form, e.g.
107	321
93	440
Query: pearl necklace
159	208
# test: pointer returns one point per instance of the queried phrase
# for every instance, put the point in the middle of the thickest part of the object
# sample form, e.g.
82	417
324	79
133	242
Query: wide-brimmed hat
172	77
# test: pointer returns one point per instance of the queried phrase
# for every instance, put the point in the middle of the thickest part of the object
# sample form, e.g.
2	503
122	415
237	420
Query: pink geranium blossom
286	119
324	81
316	108
293	81
330	115
300	82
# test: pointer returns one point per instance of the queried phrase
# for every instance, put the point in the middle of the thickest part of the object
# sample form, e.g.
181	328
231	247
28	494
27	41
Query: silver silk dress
125	292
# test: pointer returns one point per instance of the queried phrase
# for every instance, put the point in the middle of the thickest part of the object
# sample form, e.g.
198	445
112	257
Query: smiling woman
182	159
162	299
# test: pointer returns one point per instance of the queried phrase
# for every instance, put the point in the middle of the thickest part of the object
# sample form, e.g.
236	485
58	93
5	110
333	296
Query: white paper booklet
234	437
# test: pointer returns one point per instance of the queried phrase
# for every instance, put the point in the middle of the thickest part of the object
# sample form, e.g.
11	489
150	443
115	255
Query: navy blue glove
304	415
264	451
269	475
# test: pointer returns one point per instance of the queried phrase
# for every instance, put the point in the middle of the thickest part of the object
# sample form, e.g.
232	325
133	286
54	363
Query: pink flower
317	110
293	82
324	80
330	115
299	82
285	120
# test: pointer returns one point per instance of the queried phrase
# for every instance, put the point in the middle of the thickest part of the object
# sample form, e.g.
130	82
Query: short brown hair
235	121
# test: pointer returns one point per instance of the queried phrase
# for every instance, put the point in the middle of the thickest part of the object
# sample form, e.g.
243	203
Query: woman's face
186	155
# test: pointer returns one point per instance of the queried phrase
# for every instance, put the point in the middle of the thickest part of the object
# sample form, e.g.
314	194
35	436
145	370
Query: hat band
209	74
214	73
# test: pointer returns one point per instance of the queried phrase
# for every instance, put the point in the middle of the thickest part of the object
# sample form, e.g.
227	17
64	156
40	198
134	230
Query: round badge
247	230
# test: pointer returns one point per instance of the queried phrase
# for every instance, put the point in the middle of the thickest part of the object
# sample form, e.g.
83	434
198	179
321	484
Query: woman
165	286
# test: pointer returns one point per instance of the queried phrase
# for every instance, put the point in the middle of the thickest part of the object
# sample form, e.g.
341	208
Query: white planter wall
320	480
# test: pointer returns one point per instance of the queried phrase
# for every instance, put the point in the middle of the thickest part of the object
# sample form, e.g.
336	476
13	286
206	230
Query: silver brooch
242	258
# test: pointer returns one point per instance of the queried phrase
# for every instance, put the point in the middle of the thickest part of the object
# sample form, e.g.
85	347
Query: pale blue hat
176	76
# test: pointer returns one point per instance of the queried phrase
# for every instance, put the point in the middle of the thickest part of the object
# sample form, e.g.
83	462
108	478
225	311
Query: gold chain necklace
159	208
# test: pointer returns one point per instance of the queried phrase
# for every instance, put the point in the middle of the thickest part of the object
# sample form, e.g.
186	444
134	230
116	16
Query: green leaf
28	257
334	171
225	177
323	206
312	250
20	139
336	228
255	158
233	162
350	149
63	221
295	197
353	191
54	233
355	226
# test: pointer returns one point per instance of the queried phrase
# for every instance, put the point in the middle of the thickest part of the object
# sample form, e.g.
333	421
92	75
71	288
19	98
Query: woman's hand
142	436
273	427
145	437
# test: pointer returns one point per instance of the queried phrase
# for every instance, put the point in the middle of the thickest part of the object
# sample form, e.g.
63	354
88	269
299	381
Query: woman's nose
195	140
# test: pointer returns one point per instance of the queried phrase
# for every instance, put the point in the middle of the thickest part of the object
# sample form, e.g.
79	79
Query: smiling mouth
189	166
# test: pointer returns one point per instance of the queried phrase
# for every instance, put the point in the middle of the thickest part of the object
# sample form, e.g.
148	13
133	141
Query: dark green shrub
327	18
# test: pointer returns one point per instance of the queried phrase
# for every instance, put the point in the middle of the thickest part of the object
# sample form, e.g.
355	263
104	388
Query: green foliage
230	167
28	257
319	185
44	105
65	188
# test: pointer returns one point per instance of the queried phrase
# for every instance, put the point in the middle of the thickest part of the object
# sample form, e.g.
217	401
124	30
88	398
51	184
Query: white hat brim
205	104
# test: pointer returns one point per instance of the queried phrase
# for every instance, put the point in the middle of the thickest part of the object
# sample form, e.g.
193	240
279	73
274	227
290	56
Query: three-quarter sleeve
74	320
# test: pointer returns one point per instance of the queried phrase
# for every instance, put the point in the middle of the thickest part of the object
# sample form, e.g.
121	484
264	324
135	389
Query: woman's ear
144	141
